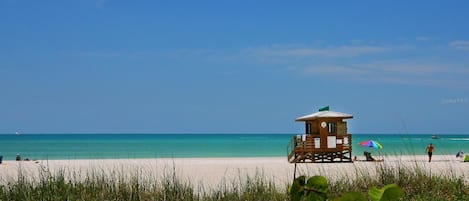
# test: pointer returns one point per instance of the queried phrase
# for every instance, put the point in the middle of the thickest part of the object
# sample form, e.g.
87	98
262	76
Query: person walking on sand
429	150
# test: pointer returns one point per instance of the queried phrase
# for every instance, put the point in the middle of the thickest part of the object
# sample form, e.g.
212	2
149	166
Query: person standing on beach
429	150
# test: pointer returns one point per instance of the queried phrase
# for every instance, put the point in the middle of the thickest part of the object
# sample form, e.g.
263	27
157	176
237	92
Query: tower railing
303	148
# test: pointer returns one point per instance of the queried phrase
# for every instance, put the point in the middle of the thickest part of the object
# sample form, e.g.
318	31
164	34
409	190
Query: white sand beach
211	172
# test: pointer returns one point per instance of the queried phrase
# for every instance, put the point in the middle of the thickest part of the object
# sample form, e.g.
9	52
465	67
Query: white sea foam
459	139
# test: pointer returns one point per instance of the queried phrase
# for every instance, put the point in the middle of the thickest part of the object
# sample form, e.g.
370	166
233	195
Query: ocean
126	146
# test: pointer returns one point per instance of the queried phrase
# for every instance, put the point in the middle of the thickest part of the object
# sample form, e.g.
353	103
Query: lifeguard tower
325	139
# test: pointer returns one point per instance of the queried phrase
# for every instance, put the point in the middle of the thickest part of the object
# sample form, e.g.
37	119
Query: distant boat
17	133
435	137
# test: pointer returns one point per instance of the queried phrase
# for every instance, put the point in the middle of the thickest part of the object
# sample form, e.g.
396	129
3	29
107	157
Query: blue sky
89	66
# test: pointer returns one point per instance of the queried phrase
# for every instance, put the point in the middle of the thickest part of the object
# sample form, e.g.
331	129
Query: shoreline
359	156
212	172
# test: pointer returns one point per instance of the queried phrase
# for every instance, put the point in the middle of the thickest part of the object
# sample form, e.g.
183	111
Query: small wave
254	138
459	139
412	139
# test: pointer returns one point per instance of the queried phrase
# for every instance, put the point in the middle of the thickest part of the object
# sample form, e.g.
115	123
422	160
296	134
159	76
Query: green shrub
316	189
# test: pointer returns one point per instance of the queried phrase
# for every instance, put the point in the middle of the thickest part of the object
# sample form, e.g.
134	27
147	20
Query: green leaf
314	189
353	196
316	196
392	192
389	192
297	188
317	184
375	194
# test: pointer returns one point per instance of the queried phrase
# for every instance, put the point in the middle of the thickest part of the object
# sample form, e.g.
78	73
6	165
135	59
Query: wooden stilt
294	173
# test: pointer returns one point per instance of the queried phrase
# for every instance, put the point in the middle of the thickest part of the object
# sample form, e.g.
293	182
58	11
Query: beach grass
416	183
98	185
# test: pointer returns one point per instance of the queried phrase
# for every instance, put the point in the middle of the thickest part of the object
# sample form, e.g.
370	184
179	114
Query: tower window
308	128
332	127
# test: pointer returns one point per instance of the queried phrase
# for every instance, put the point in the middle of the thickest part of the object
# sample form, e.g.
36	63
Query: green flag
324	109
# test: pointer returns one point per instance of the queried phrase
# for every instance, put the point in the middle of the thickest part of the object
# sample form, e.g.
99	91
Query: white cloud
100	3
371	63
398	64
422	38
460	44
407	68
112	54
394	72
335	70
419	73
342	51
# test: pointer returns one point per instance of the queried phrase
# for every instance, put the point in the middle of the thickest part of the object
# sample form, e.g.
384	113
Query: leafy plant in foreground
315	188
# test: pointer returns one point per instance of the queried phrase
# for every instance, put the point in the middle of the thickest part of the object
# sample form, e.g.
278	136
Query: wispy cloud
337	70
407	68
371	63
395	72
341	51
363	63
100	3
423	38
96	54
460	44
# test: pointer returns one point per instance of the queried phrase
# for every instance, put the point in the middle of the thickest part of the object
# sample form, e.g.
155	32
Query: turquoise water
101	146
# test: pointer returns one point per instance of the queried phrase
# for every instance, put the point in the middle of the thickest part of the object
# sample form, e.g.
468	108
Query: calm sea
103	146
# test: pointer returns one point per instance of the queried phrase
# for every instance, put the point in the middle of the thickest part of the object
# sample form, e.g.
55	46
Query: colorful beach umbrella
371	143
